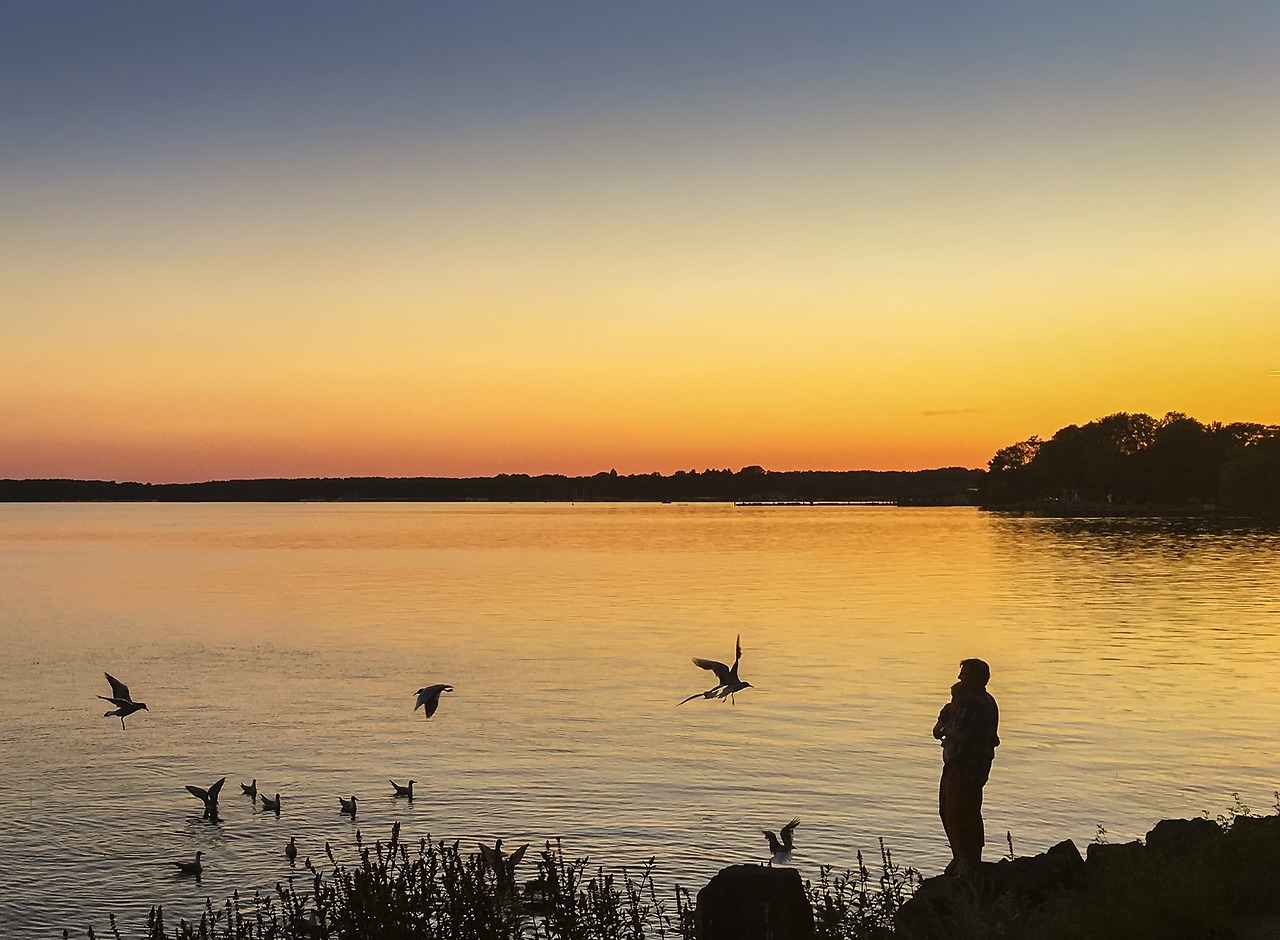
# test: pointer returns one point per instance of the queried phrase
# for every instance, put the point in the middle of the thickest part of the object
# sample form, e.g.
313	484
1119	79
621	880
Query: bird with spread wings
121	699
780	849
729	684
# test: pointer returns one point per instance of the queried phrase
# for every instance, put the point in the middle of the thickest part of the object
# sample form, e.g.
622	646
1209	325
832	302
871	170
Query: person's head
975	672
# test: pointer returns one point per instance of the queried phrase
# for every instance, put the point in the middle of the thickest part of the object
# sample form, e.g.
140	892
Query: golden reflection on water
1134	664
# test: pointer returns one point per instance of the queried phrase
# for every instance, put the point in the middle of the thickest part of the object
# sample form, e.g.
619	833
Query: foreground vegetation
434	892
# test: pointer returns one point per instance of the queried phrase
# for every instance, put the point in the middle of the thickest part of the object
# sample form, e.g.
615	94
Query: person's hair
981	671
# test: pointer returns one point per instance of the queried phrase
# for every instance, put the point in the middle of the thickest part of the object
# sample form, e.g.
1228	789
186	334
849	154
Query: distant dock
816	502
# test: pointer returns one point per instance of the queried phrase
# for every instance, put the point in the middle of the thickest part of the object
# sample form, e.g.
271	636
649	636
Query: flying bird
190	868
429	698
729	683
404	791
503	865
291	850
121	699
208	797
348	806
251	789
270	805
781	850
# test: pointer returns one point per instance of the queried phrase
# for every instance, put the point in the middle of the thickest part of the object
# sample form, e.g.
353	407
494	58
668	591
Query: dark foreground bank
1192	879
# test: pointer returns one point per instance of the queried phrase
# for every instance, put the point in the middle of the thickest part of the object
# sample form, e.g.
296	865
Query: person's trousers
960	806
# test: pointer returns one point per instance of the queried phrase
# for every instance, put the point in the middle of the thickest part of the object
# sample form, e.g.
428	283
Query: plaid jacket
971	729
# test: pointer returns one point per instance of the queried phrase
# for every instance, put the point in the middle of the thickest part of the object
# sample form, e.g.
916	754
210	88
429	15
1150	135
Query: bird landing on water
729	683
120	698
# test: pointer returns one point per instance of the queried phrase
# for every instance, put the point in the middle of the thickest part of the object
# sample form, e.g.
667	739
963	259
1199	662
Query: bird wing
514	858
200	792
216	789
118	690
491	857
720	669
787	833
774	845
426	694
117	702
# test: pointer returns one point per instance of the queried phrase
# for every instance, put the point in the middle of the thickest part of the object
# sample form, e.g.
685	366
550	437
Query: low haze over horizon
320	240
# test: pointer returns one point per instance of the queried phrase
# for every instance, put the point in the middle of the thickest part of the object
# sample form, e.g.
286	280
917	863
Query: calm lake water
1134	661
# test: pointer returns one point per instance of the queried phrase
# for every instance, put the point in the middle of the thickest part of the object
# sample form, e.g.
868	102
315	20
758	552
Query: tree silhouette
1134	459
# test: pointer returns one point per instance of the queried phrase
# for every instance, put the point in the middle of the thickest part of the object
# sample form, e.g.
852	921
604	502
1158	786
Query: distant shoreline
948	486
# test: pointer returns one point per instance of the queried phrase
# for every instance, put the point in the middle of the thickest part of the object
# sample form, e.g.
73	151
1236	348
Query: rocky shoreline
1193	878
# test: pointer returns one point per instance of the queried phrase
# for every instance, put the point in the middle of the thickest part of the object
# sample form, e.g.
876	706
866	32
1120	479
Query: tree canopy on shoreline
1135	459
950	485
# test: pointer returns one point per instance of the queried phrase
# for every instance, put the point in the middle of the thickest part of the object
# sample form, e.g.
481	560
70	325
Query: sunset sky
328	239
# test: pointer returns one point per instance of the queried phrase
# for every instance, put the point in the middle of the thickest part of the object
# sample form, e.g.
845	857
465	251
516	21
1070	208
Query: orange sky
799	264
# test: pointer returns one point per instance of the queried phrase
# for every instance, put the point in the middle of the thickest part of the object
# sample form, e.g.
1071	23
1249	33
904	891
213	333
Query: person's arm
944	718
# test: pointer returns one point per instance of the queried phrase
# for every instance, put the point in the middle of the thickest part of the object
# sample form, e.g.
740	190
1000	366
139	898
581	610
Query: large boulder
944	899
1034	876
1111	856
1179	836
752	902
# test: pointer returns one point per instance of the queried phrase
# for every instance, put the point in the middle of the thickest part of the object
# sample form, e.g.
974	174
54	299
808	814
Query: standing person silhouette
967	727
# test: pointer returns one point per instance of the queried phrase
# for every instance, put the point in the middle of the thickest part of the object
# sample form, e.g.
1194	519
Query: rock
1178	836
1035	876
940	900
1105	856
751	902
1256	827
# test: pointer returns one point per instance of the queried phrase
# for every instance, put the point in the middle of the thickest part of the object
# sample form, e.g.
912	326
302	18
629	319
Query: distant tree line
1138	460
948	486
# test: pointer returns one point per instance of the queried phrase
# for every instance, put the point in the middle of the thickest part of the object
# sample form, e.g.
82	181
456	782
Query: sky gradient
321	239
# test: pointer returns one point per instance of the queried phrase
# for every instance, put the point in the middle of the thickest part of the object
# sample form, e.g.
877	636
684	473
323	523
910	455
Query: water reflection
1133	661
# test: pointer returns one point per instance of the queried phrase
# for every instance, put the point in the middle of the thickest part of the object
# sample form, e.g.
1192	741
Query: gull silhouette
781	850
251	789
404	791
190	868
291	850
270	805
209	797
120	698
503	865
429	698
348	806
729	683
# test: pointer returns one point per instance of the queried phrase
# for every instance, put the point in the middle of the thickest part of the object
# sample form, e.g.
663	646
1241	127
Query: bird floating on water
190	868
291	850
271	805
348	806
209	797
250	789
121	699
503	865
729	684
780	850
404	791
429	698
